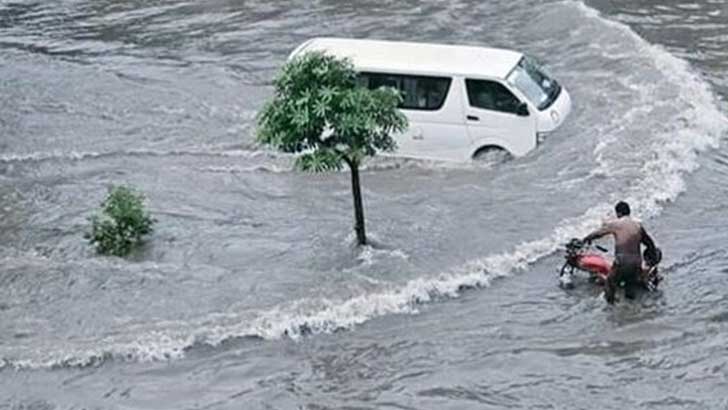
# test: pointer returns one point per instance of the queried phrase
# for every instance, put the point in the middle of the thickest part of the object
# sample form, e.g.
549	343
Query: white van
461	101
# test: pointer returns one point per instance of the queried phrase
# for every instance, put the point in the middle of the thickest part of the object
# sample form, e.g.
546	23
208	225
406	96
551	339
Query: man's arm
647	240
604	230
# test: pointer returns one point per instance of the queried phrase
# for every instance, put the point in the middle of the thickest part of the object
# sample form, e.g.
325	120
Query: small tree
319	110
122	222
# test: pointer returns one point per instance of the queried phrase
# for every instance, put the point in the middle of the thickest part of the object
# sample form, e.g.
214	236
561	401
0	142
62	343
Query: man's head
622	209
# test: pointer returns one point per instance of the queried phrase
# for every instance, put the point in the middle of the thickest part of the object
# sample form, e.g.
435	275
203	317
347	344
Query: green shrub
122	222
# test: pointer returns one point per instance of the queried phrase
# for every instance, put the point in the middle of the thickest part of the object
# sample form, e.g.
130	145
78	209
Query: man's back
627	237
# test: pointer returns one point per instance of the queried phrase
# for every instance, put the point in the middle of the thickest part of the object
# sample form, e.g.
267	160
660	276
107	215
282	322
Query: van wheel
491	155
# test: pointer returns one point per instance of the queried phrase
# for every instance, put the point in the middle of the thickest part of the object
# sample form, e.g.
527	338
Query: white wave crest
83	155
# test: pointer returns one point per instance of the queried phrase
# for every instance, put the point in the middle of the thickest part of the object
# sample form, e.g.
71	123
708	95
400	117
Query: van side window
418	92
491	95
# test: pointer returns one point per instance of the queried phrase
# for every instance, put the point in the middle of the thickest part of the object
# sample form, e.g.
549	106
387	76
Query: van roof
377	55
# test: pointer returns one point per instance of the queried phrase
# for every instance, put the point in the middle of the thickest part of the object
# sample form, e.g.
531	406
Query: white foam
369	255
48	155
235	169
82	155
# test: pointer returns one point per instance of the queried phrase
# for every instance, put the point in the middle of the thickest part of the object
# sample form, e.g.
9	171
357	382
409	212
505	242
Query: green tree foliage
318	110
121	223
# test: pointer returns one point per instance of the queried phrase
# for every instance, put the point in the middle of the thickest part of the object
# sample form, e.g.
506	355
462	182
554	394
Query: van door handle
472	118
417	135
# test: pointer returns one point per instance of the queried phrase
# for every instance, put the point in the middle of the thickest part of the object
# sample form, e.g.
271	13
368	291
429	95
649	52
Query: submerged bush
122	222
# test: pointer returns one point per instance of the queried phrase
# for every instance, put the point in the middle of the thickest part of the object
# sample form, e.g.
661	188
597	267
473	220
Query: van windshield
528	77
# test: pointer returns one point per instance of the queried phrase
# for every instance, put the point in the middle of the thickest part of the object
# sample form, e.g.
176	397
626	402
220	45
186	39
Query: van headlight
555	116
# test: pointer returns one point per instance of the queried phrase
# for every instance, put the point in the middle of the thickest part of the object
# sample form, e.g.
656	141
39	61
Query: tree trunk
361	236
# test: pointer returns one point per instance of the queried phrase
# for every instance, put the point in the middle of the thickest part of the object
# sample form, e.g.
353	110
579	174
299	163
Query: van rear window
418	92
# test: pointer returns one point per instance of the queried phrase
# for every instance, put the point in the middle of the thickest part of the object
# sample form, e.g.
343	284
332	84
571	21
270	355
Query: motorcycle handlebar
579	244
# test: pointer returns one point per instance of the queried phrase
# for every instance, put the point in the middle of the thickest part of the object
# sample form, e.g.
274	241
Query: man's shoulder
635	223
611	222
623	222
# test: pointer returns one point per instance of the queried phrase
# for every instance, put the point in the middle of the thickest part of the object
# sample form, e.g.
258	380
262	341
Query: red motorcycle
584	257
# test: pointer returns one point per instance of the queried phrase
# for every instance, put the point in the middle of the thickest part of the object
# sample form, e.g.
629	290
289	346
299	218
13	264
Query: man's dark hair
622	209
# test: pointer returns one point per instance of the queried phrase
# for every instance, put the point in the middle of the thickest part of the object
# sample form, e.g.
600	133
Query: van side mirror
522	110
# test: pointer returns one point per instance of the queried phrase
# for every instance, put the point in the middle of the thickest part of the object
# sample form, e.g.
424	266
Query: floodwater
250	293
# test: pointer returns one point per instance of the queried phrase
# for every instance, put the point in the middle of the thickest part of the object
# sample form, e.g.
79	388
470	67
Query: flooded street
251	294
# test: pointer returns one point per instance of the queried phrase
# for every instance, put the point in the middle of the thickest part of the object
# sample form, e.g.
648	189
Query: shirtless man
628	235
